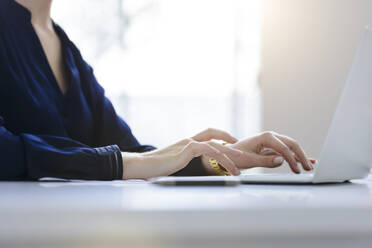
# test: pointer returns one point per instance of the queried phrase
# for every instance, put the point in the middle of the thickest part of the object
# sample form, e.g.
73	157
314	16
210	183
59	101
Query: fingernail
297	169
278	160
310	165
236	171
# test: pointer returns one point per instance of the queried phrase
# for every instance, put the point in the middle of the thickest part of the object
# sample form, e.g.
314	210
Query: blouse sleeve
30	157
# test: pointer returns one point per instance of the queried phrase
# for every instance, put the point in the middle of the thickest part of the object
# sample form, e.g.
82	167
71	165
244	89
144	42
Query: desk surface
136	213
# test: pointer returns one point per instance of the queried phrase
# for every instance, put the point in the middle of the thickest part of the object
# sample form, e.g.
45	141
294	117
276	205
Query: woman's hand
166	161
267	149
270	149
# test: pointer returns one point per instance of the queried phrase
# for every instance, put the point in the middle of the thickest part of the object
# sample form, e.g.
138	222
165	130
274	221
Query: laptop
347	150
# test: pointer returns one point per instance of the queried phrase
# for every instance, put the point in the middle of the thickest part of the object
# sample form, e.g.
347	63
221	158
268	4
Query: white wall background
307	50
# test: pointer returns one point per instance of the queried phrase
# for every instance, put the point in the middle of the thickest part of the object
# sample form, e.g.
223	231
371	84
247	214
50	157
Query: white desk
138	214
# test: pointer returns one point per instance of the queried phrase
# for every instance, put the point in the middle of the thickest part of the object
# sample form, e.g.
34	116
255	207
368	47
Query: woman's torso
31	101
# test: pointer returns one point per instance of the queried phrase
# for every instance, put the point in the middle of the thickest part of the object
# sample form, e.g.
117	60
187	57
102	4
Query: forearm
145	165
132	165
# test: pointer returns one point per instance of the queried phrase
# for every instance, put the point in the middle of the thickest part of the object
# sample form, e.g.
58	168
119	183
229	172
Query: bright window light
172	67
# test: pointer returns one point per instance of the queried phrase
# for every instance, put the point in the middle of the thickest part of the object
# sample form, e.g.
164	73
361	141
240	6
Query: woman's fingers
271	161
270	152
269	140
196	149
217	134
228	150
278	148
311	160
297	149
256	160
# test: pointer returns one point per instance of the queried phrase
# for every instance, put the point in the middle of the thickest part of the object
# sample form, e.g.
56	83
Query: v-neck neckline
65	57
50	72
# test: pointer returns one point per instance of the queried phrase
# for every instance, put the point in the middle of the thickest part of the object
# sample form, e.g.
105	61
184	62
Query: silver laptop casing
347	150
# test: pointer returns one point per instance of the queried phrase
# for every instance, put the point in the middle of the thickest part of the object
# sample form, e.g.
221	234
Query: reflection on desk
138	214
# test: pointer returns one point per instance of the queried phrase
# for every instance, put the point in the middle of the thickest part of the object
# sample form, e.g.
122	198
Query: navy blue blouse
45	133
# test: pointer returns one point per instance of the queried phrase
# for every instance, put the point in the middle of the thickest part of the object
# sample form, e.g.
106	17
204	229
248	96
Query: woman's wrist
145	165
132	165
